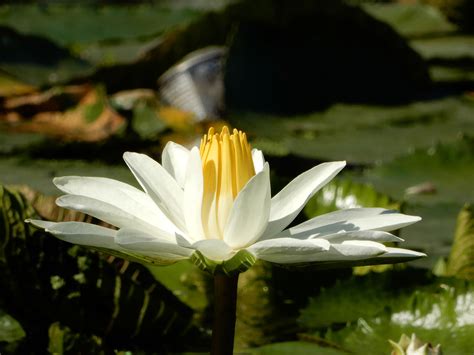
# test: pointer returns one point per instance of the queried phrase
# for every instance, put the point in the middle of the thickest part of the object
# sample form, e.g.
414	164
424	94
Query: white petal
399	253
150	245
249	215
285	247
107	213
175	159
214	249
159	184
258	160
126	198
350	220
359	249
290	201
80	233
193	190
353	250
376	236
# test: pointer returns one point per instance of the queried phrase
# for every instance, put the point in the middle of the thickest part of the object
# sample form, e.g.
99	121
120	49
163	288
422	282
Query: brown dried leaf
91	120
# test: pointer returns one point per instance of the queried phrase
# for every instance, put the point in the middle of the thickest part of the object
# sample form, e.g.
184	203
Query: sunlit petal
159	184
290	201
175	160
124	197
258	160
150	245
245	224
193	192
350	220
79	233
376	236
214	249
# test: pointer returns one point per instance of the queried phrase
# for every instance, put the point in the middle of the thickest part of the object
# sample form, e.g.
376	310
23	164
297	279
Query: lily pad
66	24
296	348
10	328
461	258
449	170
447	47
350	132
341	194
378	307
18	171
411	19
12	143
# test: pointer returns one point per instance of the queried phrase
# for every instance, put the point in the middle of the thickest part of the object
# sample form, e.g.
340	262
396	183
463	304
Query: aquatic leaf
58	98
62	341
448	48
350	132
68	24
18	170
51	63
411	20
146	121
10	86
450	169
91	120
344	193
461	259
295	348
114	299
362	312
10	328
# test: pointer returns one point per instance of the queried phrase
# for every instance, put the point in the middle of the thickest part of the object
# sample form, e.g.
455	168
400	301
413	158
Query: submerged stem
225	300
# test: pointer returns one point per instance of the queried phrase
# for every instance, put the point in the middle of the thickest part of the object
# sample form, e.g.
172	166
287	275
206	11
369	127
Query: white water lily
213	204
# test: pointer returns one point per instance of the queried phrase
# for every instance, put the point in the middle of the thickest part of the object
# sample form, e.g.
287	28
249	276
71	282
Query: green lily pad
67	24
436	183
296	348
411	19
341	194
11	143
39	173
461	258
447	48
451	74
449	167
10	329
350	132
378	307
146	121
187	282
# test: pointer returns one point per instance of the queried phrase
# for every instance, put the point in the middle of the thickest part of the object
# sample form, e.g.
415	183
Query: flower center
227	165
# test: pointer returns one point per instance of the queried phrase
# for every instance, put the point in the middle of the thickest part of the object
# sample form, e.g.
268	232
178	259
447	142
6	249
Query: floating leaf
376	307
448	167
67	24
350	132
449	48
10	329
10	86
411	20
295	348
92	120
62	340
18	171
461	258
146	121
342	194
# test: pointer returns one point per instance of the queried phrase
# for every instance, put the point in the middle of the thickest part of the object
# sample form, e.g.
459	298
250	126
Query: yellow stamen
227	165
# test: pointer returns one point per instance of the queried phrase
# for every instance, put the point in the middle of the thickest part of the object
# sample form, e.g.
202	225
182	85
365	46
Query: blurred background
386	85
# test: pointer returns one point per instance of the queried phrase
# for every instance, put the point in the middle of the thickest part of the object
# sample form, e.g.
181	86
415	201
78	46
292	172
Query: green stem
225	300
